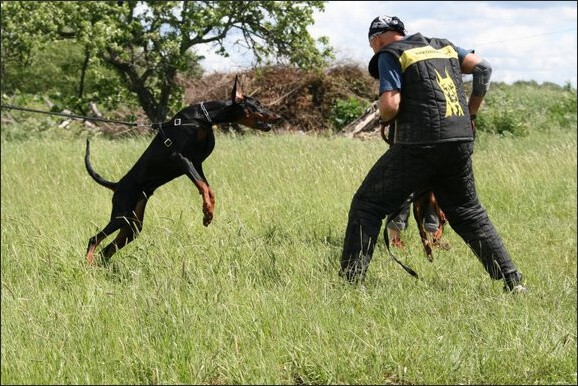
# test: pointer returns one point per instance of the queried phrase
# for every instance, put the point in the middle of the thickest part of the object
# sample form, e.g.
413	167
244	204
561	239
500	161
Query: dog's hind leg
419	209
94	241
437	235
128	232
124	236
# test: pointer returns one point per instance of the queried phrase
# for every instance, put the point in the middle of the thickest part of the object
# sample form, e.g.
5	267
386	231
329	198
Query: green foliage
255	297
503	114
563	113
345	111
524	107
49	70
149	43
55	71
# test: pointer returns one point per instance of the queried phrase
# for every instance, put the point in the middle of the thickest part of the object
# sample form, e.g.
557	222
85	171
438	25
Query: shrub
345	111
564	111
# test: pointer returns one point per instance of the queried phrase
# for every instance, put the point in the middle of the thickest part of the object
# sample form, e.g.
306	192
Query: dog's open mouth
261	122
268	124
264	126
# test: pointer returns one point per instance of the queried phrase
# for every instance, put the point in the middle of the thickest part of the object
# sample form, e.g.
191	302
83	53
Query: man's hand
384	135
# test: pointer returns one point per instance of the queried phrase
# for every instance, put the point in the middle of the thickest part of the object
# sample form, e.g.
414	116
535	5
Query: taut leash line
72	115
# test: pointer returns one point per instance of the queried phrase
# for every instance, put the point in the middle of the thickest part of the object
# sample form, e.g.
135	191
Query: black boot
355	271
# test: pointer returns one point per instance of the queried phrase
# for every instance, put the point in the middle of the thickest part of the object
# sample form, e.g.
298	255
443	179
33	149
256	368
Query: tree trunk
136	84
83	73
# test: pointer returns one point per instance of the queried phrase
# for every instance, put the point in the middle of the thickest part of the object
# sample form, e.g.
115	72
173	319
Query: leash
407	269
166	140
12	107
177	121
386	239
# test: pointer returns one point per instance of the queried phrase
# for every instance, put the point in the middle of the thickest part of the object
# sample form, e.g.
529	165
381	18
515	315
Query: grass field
255	298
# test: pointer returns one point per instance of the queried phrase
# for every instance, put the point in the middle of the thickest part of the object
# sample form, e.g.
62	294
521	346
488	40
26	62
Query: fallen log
368	122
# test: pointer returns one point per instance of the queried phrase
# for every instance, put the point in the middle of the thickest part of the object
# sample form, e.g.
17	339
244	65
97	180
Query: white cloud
523	40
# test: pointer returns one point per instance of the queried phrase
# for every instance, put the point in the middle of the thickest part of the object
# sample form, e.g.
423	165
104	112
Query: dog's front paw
208	215
208	207
207	219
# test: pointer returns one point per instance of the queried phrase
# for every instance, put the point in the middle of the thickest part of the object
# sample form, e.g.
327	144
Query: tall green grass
255	298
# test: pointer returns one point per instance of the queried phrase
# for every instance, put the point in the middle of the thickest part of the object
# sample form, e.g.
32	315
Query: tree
148	43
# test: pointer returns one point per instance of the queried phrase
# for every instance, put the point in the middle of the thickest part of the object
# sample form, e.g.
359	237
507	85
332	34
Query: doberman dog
420	203
180	147
429	240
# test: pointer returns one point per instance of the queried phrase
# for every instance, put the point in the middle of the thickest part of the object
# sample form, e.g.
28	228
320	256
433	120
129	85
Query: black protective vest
433	105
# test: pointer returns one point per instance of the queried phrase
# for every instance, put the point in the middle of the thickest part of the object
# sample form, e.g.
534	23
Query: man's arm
482	72
389	87
389	105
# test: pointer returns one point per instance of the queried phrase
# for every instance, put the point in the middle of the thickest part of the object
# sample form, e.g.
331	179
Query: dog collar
206	112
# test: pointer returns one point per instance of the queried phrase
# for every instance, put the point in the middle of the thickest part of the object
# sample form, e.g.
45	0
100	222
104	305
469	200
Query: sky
522	40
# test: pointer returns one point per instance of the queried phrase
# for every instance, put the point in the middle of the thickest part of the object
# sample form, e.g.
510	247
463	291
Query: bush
525	106
345	111
564	111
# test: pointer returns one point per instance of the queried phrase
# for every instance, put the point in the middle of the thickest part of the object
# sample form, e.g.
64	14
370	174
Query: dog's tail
95	176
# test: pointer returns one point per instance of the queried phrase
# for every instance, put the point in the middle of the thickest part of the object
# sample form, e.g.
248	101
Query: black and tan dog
421	201
429	240
179	148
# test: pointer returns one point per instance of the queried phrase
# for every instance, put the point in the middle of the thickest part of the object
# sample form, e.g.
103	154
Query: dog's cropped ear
237	93
234	92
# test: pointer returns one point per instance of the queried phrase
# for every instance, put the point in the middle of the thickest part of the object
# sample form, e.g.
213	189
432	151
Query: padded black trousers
445	168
